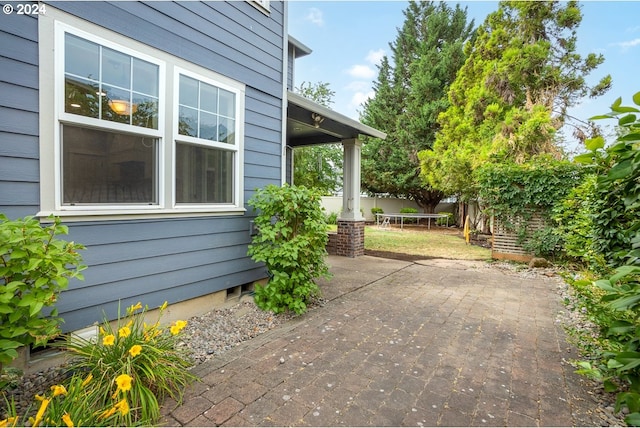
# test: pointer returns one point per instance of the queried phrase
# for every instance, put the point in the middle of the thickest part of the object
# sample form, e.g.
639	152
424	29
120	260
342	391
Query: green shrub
409	210
35	266
376	210
291	242
546	242
332	218
446	221
139	362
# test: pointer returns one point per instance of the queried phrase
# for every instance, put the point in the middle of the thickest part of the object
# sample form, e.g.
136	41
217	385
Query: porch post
350	236
351	180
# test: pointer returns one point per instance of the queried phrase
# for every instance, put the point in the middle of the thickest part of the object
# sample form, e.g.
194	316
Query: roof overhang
309	123
299	48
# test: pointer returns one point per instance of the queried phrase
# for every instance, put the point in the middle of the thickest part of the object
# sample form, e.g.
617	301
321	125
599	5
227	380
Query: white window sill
132	214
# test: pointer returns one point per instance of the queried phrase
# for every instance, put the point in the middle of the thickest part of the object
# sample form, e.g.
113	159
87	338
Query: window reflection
106	84
101	167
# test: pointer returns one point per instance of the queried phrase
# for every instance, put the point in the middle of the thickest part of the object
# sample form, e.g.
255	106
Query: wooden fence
505	240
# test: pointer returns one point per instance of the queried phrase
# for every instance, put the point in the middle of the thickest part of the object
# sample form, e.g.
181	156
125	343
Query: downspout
285	64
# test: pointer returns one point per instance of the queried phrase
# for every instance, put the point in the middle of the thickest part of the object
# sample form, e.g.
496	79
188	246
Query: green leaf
632	136
630	118
624	303
623	271
621	170
594	144
633	419
9	344
625	109
636	98
600	117
616	103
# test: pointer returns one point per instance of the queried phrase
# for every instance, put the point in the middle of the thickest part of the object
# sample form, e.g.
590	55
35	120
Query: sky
349	38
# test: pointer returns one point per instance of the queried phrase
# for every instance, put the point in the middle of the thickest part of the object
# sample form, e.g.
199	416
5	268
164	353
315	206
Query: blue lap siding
152	260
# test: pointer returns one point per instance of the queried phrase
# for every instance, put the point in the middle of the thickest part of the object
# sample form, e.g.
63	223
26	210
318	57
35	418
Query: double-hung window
110	137
137	130
205	141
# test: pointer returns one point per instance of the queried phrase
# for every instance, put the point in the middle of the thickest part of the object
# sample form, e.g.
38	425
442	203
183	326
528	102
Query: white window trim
51	95
262	5
89	122
230	86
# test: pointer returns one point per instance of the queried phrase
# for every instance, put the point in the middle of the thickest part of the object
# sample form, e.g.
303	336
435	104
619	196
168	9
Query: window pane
188	122
203	175
145	77
208	98
227	104
188	91
102	167
145	111
116	68
81	57
81	97
208	124
226	131
116	105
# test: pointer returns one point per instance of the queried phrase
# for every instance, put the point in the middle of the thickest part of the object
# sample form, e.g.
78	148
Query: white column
351	180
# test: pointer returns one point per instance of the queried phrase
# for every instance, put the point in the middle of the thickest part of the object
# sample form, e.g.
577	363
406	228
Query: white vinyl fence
333	204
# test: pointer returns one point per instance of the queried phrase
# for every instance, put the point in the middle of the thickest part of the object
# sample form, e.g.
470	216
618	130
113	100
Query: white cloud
633	29
374	57
360	71
360	97
628	43
315	16
357	85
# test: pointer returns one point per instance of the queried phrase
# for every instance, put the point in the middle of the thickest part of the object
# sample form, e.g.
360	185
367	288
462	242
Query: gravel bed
210	335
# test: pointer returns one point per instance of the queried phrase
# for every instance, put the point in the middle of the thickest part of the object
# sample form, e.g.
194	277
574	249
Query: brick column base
350	238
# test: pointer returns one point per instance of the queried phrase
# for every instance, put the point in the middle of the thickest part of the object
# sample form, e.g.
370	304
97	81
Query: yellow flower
40	414
9	422
124	382
131	309
164	305
124	332
122	406
39	398
108	340
87	380
177	327
135	350
58	390
66	418
108	413
102	331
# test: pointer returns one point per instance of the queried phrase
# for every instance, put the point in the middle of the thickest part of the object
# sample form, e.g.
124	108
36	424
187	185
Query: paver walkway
433	343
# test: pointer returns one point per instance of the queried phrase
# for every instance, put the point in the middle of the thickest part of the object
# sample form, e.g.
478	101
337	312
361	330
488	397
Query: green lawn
419	241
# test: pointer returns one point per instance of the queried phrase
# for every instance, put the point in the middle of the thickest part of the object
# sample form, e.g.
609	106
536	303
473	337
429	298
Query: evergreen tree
511	96
410	92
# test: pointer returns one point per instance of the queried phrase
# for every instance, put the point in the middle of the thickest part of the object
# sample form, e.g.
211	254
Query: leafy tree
512	95
410	94
318	167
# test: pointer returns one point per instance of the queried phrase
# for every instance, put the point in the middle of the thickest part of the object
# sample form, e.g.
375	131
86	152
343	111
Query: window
122	145
109	138
206	141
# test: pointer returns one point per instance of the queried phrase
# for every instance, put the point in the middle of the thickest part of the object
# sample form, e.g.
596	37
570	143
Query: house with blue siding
146	127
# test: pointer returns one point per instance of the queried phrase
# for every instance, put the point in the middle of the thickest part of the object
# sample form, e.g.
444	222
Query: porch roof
309	123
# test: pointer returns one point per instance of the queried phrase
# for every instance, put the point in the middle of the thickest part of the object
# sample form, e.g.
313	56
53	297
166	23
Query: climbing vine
514	192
